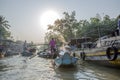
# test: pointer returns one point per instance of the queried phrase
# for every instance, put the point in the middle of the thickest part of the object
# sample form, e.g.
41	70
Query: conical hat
68	47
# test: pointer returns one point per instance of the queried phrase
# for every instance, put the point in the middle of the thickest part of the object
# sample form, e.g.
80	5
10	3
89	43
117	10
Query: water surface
36	68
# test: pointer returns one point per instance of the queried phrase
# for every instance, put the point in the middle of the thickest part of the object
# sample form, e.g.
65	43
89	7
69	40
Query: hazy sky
24	15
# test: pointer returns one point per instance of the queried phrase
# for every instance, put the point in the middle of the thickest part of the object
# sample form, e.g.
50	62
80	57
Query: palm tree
4	28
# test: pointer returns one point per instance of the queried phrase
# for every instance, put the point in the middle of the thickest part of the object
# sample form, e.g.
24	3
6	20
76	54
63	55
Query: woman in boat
67	49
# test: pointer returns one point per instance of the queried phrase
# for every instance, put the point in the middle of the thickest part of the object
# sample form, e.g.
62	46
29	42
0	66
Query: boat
5	48
10	52
105	52
29	52
44	54
65	60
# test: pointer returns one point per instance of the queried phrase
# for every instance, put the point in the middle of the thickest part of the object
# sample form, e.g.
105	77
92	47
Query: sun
48	17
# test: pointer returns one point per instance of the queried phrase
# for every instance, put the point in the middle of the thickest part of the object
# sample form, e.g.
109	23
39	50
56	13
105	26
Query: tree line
69	27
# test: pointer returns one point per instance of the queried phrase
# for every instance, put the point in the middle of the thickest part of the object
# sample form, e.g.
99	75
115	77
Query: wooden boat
106	52
46	53
65	60
43	54
29	52
11	53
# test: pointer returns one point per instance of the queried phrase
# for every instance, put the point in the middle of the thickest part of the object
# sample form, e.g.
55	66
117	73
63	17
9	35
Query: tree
4	28
65	26
69	27
96	27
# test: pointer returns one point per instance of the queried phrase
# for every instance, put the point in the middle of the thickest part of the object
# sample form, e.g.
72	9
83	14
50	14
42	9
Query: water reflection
2	66
96	72
23	68
66	73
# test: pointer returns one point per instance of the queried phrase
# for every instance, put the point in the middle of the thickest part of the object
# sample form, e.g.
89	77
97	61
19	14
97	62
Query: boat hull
65	60
27	54
44	54
100	56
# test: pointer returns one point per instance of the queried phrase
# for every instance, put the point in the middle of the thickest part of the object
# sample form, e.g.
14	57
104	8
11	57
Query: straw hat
67	47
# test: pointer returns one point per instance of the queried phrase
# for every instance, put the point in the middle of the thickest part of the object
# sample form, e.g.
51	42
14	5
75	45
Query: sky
24	16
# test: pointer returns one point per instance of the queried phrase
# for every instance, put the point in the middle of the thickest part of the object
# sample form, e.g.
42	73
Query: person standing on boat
52	45
25	46
119	24
1	48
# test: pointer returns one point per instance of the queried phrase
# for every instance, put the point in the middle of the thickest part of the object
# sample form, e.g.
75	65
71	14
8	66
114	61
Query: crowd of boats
9	48
62	58
27	50
105	51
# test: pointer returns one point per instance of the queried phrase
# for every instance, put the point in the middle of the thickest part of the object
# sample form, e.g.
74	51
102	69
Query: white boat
106	52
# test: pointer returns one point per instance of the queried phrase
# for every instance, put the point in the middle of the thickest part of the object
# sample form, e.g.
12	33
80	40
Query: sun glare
47	18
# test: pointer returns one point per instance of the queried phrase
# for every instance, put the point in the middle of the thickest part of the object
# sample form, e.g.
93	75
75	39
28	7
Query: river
36	68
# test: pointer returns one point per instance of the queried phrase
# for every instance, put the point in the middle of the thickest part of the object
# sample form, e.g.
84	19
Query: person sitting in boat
67	49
